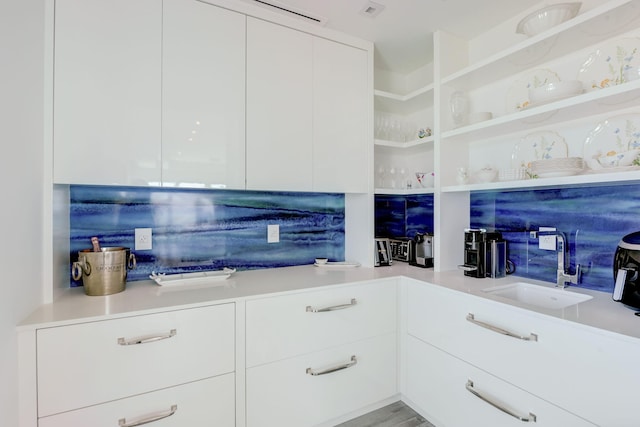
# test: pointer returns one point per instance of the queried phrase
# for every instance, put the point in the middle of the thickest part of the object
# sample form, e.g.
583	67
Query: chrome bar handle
311	309
531	337
145	340
349	364
530	418
123	421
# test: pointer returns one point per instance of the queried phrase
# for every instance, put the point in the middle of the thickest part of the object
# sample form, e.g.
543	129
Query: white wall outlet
273	233
143	239
547	242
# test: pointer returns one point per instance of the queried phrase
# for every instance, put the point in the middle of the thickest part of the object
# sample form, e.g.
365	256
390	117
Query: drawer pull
530	418
531	337
349	364
145	340
311	309
123	421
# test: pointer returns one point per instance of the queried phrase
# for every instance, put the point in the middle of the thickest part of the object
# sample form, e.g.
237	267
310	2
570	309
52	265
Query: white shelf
563	111
540	183
586	29
403	192
403	145
419	99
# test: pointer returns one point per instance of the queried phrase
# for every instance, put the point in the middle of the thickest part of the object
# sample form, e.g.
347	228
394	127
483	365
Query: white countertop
147	297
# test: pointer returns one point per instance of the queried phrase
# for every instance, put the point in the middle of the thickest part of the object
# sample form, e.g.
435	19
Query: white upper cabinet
279	107
107	92
203	96
340	117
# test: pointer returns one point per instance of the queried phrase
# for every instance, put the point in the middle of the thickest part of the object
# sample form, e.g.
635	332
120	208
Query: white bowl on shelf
547	17
486	175
554	91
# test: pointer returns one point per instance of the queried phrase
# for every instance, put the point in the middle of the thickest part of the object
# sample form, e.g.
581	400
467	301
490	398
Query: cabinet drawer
441	386
291	325
91	363
209	402
284	393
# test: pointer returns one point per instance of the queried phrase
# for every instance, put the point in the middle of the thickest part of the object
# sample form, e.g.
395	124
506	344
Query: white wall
21	177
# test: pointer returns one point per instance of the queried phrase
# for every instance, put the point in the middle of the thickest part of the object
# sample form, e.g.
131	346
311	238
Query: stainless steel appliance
382	252
402	249
423	250
626	269
485	254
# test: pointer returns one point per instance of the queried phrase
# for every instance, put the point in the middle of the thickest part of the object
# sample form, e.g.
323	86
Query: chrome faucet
563	277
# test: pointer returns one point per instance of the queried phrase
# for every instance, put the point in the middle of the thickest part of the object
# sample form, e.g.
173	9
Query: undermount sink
537	295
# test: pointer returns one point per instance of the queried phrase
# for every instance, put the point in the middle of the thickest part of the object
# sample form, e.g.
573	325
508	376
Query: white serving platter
198	278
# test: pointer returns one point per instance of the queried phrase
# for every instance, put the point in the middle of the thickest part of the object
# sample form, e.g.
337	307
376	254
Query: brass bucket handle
132	262
79	268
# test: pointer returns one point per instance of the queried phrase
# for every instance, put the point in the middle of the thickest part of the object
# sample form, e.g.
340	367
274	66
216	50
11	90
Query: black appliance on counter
484	254
417	251
626	271
382	252
402	248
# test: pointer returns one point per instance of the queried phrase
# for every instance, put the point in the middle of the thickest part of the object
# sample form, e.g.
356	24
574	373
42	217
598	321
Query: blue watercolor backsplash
593	220
197	230
403	216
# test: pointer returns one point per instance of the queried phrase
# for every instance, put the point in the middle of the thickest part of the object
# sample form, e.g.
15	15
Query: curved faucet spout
563	277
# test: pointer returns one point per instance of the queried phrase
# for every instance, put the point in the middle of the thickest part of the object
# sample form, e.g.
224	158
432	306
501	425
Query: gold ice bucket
103	272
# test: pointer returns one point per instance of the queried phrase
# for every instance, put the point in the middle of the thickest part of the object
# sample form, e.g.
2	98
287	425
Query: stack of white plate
551	168
514	174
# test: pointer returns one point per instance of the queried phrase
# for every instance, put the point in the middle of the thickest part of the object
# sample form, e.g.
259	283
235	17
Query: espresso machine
423	250
485	254
626	271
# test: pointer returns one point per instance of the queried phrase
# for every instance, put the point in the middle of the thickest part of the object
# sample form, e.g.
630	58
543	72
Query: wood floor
395	415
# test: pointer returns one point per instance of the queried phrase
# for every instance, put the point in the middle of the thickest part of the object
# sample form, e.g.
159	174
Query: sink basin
537	295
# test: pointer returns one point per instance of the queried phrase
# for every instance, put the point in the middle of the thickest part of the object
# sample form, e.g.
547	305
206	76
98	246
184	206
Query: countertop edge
146	297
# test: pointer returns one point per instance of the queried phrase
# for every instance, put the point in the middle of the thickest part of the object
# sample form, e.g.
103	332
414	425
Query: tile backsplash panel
403	216
208	229
593	220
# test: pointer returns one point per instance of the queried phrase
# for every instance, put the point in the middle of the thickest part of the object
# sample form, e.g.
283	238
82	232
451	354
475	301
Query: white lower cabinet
95	362
314	388
556	360
453	393
290	325
209	402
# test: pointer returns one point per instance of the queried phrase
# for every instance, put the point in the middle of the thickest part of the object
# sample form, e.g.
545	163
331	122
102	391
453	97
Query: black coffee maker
626	271
484	254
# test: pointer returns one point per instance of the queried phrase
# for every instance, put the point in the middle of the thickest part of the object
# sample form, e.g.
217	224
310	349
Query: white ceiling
403	31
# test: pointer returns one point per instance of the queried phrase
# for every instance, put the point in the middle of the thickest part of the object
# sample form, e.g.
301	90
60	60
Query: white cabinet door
443	388
90	363
285	393
341	150
107	92
279	107
209	402
203	96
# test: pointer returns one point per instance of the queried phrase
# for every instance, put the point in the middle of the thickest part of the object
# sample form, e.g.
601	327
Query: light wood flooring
394	415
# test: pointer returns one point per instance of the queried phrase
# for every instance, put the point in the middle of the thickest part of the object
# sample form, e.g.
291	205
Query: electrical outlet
143	237
547	242
273	233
